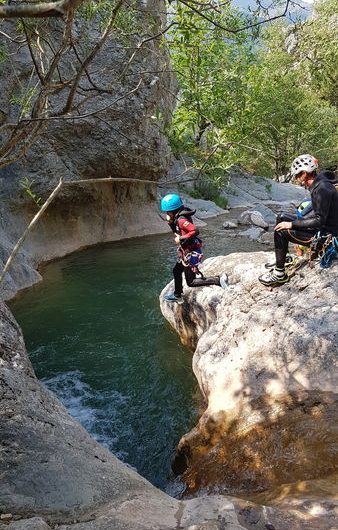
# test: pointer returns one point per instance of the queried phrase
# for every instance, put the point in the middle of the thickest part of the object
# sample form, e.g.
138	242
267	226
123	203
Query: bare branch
28	229
29	44
111	179
11	38
50	199
238	30
48	9
91	56
140	44
81	116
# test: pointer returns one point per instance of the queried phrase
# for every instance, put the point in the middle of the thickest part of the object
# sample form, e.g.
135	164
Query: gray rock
35	523
204	208
246	191
253	217
265	360
267	238
253	233
228	225
267	213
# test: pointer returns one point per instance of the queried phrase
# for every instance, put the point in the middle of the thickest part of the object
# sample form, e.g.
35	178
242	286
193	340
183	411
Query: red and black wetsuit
189	242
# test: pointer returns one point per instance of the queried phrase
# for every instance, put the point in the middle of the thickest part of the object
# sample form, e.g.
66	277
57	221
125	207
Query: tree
250	100
64	79
314	45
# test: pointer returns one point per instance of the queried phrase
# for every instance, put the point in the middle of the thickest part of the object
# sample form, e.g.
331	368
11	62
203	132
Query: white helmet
306	163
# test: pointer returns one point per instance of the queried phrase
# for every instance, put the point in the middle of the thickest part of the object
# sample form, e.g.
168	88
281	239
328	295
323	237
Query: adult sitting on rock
302	230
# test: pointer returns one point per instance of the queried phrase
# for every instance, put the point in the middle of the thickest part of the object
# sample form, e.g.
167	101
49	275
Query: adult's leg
282	239
278	276
192	281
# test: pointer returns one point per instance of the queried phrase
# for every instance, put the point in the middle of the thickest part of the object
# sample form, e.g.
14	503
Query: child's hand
169	219
177	239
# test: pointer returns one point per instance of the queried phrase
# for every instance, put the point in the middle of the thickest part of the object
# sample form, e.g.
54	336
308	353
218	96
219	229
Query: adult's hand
284	225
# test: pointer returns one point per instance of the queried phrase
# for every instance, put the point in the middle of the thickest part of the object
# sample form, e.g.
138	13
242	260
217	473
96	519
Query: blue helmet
171	202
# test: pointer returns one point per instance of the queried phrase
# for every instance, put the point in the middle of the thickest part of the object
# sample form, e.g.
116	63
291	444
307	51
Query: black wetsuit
324	217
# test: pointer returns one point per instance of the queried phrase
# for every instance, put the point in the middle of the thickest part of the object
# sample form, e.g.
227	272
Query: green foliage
24	100
207	189
125	21
251	101
317	50
27	184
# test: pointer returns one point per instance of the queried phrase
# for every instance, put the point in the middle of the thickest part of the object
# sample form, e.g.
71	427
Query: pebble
6	516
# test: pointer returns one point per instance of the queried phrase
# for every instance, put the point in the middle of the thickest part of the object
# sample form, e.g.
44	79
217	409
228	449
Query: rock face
265	362
246	191
54	475
126	140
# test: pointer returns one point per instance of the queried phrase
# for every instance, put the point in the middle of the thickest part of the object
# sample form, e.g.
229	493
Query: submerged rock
265	362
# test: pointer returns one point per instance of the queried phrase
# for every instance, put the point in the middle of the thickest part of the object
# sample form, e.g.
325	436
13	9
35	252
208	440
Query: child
189	249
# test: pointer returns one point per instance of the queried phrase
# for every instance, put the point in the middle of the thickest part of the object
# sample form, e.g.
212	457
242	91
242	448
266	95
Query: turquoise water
97	338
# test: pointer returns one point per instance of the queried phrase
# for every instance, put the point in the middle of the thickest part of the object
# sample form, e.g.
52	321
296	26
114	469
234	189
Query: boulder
204	208
253	217
244	190
265	361
253	233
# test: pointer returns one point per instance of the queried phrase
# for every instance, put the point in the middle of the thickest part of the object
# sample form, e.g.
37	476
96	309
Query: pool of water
96	337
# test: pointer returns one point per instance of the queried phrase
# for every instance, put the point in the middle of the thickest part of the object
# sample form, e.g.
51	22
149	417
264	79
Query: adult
301	230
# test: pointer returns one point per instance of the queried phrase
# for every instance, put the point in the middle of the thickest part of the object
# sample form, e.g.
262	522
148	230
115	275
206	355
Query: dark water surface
97	338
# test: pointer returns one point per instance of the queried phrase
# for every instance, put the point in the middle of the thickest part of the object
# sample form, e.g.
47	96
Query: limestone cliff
265	362
126	140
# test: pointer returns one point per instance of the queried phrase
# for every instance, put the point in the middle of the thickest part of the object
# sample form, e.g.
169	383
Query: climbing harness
192	258
328	251
325	247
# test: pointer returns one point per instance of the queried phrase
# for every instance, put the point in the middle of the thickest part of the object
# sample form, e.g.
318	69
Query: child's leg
177	272
192	281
